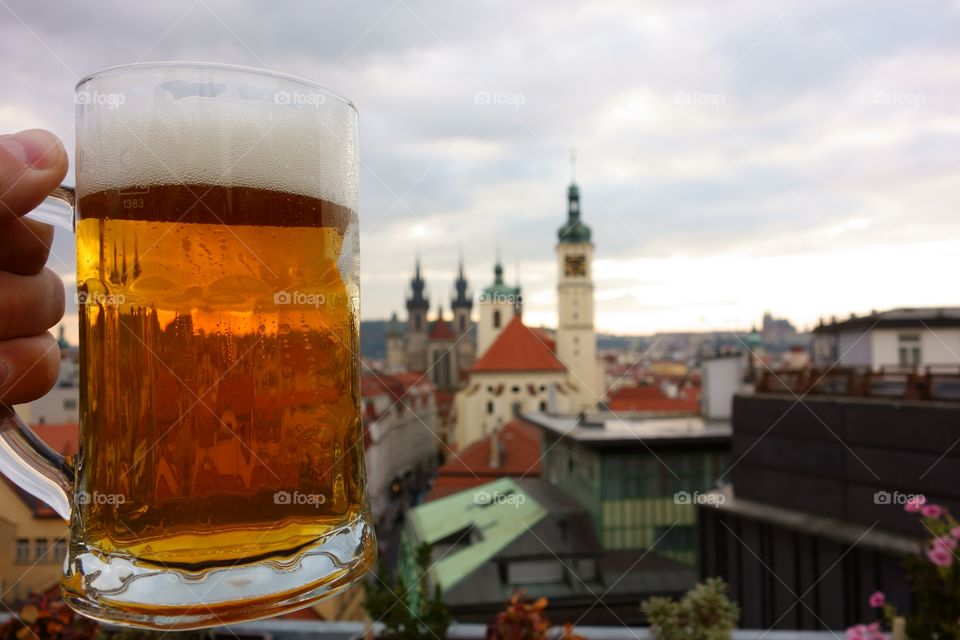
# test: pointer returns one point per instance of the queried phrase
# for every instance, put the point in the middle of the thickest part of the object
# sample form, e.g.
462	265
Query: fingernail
34	147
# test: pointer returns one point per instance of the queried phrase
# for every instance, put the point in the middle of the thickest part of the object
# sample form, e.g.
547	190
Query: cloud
818	136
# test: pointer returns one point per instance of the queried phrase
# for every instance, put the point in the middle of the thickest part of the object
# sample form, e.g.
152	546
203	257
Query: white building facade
400	434
909	338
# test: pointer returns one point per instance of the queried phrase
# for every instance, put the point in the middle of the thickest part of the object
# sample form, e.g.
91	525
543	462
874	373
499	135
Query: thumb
32	163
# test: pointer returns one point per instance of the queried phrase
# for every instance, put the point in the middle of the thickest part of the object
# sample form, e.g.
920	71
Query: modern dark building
637	478
813	521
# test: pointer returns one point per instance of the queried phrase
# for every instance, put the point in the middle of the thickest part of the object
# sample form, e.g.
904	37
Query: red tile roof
62	438
518	348
65	440
651	398
545	337
519	457
441	330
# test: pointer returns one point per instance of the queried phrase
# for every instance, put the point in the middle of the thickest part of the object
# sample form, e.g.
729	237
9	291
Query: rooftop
652	398
527	533
440	329
518	348
463	516
896	318
609	429
519	455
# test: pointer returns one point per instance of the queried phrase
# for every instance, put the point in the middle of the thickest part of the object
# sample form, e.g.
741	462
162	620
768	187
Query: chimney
494	449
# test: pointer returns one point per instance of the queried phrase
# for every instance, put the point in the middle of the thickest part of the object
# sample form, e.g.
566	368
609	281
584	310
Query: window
463	323
60	550
515	389
490	407
587	569
535	572
909	350
23	550
543	405
70	403
517	408
496	319
40	548
416	323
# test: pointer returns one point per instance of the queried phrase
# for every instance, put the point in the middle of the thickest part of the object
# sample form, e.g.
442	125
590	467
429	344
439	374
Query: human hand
32	164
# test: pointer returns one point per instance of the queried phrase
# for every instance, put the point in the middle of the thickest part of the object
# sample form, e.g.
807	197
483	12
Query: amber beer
221	422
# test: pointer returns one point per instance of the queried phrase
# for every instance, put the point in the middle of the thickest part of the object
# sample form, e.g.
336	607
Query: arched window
496	319
463	323
416	323
490	407
543	405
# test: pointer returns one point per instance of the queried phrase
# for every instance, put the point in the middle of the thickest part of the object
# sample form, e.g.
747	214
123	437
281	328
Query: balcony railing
309	630
940	383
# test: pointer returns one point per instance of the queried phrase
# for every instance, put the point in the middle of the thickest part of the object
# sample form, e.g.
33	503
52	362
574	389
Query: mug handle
24	458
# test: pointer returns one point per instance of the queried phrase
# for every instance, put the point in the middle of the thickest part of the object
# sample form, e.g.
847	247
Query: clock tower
576	340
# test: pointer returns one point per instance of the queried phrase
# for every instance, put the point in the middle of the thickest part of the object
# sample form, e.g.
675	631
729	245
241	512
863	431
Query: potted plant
704	613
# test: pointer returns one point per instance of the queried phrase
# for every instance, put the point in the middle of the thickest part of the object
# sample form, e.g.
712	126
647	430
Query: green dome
575	231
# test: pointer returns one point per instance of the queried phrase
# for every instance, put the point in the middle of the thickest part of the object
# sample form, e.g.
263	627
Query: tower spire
461	298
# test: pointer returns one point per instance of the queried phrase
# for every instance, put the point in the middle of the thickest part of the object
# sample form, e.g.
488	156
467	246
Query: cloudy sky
801	157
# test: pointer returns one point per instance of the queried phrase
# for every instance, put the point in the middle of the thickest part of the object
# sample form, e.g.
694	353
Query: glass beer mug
220	473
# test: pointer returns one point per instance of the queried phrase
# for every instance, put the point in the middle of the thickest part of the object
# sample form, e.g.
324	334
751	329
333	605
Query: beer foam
252	141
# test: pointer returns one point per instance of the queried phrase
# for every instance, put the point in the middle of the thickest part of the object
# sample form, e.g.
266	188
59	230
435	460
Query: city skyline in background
795	159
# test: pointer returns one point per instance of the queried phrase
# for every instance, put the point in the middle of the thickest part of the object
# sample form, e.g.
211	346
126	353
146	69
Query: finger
31	304
24	246
28	368
32	163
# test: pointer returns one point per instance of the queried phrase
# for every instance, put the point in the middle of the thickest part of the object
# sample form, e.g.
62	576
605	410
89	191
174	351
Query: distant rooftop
609	429
896	318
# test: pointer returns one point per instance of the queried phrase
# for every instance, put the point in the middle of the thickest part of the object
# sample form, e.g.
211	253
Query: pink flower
931	510
877	600
858	632
945	542
875	632
913	504
955	532
940	556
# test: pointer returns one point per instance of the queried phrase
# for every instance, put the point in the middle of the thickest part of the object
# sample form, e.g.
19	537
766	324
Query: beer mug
220	473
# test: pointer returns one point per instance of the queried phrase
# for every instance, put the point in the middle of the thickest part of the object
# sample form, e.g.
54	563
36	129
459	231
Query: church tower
396	353
576	340
498	304
462	305
417	306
